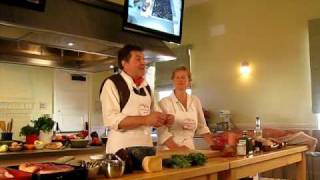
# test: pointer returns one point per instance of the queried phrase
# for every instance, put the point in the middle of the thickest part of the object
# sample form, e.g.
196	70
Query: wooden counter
216	167
207	172
243	167
14	158
232	168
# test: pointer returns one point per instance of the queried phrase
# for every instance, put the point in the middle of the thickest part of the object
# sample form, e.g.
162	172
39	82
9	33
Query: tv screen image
164	16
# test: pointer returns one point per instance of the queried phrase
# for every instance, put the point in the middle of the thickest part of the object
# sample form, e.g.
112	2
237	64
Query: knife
11	123
8	124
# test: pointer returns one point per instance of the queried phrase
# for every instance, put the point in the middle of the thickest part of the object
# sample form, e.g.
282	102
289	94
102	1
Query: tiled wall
26	92
20	112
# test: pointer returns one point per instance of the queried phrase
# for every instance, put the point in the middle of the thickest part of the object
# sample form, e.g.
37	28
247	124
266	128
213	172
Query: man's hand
183	147
155	119
169	119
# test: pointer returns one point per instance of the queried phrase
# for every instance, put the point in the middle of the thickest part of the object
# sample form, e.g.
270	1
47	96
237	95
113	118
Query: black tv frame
126	26
26	4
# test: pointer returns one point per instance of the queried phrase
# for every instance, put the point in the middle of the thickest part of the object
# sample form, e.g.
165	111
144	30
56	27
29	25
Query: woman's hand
208	137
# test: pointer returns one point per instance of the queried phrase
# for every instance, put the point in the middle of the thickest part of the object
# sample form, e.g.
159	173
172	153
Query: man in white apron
130	124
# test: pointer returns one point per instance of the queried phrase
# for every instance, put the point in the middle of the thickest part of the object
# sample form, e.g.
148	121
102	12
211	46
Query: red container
30	139
79	173
219	141
20	175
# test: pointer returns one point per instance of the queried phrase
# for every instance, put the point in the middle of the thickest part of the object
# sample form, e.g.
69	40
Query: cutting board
168	153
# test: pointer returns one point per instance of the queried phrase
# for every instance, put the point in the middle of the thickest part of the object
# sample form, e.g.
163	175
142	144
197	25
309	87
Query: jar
241	149
114	168
94	165
229	151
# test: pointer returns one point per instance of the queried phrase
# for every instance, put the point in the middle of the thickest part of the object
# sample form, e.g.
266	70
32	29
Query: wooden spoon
3	126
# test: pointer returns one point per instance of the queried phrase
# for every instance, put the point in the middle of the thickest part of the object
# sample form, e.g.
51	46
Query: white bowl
39	146
98	157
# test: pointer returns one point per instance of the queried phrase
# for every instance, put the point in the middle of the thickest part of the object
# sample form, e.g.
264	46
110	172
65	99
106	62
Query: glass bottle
247	140
258	129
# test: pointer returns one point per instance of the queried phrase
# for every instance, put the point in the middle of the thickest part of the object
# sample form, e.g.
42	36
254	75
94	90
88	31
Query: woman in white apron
189	117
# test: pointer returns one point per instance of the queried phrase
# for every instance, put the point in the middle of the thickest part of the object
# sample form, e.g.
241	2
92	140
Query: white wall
272	36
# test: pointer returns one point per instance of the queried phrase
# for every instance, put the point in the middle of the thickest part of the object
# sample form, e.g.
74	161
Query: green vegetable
197	159
28	130
182	161
44	123
137	154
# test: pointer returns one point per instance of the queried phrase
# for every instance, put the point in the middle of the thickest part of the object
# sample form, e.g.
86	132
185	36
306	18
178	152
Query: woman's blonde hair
181	68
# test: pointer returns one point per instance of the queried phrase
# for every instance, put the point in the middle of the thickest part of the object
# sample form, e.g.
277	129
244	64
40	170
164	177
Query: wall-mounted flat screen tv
157	18
30	4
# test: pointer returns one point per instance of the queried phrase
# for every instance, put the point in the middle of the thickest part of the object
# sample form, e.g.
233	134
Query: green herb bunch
28	130
185	161
44	123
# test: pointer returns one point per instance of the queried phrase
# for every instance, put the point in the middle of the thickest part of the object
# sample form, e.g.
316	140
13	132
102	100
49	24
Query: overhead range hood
71	34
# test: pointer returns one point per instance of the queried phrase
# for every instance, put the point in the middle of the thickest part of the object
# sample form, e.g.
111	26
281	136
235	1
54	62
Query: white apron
183	128
136	106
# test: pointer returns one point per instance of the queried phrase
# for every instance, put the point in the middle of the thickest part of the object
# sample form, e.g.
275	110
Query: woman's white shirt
171	105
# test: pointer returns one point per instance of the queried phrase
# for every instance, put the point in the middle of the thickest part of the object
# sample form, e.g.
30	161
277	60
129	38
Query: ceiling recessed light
111	66
70	44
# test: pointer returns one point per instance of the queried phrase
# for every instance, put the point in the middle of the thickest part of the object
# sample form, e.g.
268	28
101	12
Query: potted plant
31	133
45	125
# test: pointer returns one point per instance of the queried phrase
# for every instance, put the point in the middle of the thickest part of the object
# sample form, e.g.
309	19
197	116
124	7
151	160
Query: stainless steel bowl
114	168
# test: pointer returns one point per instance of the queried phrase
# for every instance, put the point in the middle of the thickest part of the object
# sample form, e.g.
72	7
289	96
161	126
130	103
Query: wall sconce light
245	68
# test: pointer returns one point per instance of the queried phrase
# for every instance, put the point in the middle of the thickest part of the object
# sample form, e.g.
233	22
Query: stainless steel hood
23	52
43	38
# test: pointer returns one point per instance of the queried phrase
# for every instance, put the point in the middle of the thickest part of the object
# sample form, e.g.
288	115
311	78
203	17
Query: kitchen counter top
49	151
14	158
208	171
232	168
226	168
241	167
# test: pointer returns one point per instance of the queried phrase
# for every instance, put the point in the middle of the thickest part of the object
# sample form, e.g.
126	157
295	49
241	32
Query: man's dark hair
124	53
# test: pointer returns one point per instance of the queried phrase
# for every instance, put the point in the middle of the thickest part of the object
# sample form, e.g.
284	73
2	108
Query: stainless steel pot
114	168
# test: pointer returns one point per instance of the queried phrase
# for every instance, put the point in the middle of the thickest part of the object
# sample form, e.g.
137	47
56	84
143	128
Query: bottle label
241	149
243	141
